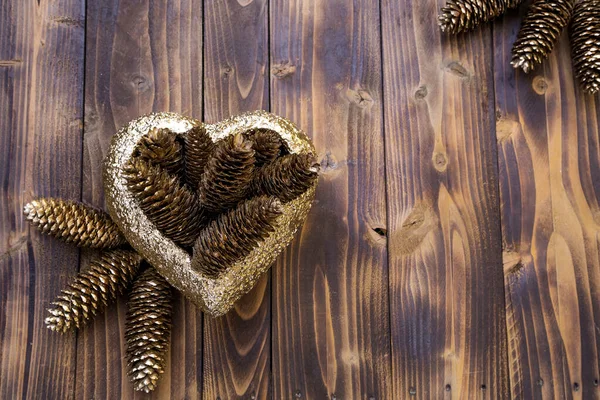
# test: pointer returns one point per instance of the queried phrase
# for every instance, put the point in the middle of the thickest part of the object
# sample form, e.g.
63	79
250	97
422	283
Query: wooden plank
41	103
142	56
549	163
237	346
446	287
330	298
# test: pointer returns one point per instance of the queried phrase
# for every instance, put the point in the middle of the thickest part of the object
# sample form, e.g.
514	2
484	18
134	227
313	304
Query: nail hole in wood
596	382
253	396
448	388
483	387
298	394
333	396
412	391
380	231
540	382
576	387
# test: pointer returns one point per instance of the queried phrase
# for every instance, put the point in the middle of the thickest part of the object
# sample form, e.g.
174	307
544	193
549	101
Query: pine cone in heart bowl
210	206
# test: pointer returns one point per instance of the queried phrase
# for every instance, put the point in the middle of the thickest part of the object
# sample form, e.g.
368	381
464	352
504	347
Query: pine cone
198	148
464	15
228	173
91	290
171	206
287	177
585	44
233	235
147	329
161	148
74	222
539	32
266	145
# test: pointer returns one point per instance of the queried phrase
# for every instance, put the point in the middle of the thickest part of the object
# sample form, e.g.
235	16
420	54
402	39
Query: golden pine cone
539	32
161	148
147	329
74	222
228	174
91	290
234	234
266	145
170	205
465	15
198	148
585	44
287	177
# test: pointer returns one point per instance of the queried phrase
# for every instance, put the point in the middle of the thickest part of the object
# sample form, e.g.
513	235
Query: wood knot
440	162
140	82
506	128
421	93
328	163
360	97
456	68
540	86
226	71
282	70
421	220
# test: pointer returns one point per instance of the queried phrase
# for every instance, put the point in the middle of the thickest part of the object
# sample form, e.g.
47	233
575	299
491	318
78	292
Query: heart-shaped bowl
215	296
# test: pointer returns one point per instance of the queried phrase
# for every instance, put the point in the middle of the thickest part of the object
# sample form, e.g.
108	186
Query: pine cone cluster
73	222
539	32
107	276
147	329
585	44
465	15
221	198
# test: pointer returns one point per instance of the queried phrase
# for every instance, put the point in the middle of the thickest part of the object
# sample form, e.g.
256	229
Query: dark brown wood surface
547	133
452	250
446	291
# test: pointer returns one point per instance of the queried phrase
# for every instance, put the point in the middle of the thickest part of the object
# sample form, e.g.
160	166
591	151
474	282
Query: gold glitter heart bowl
215	296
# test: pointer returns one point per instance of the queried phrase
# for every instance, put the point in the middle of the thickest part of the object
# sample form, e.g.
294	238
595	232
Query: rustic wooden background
454	247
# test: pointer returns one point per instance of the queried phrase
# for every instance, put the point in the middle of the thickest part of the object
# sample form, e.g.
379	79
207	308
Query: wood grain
141	56
41	108
237	346
330	299
446	288
549	162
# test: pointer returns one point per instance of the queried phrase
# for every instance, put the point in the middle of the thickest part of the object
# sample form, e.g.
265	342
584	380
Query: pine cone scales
161	148
266	145
464	15
585	44
234	234
228	174
287	177
91	290
74	222
147	329
539	32
171	206
198	148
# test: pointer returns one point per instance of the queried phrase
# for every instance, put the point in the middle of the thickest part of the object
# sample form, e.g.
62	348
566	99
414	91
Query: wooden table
453	250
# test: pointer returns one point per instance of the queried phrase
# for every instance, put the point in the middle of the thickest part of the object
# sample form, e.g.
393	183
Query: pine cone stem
74	222
585	44
464	15
147	330
287	177
92	290
228	173
539	32
233	235
171	206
